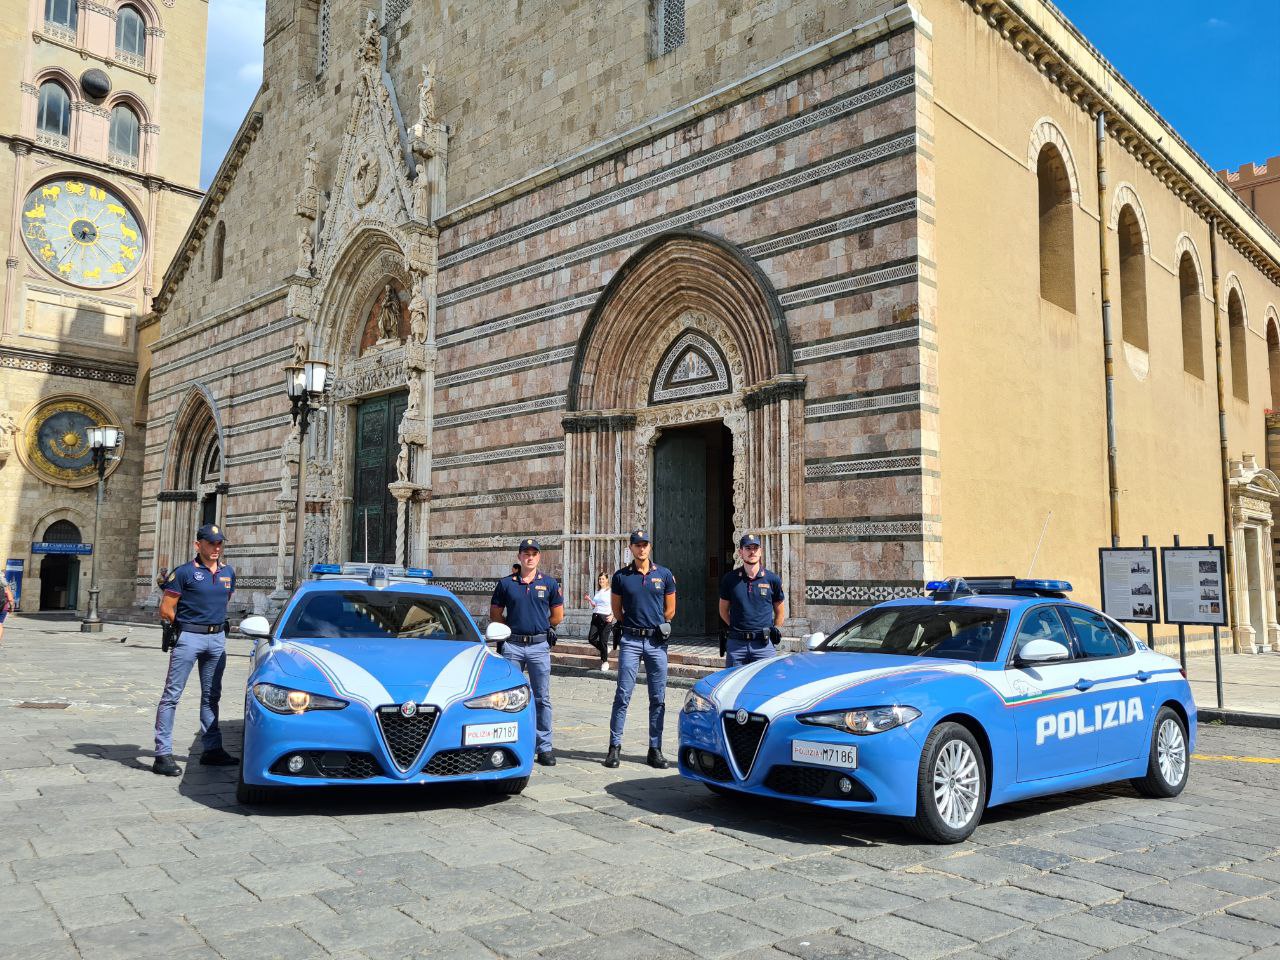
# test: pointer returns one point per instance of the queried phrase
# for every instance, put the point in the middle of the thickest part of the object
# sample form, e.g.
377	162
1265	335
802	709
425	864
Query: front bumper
882	782
349	747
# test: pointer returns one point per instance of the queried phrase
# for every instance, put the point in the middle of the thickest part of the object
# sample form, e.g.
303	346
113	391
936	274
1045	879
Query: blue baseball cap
749	540
210	532
639	536
528	543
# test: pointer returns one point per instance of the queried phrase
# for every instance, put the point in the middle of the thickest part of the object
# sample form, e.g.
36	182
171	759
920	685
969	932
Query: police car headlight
696	703
510	701
865	721
283	700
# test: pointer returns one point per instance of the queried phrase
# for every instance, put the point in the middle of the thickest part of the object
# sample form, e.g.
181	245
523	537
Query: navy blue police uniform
643	597
751	634
199	625
527	611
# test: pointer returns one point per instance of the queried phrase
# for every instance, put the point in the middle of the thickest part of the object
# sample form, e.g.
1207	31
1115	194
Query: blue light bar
319	568
1058	586
933	585
419	572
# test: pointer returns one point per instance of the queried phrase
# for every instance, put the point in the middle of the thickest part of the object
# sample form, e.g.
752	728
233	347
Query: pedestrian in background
601	618
8	603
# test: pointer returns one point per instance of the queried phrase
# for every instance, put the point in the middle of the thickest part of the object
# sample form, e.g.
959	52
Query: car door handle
1083	684
1143	676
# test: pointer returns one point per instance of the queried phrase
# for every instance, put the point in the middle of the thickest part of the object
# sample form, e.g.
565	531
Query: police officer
752	605
643	595
530	603
195	603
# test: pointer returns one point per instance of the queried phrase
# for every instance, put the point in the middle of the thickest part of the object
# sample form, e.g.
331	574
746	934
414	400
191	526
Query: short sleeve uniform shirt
643	595
202	593
751	599
527	606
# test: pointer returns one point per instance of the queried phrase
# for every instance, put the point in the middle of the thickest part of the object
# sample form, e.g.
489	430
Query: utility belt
205	628
749	636
646	632
526	639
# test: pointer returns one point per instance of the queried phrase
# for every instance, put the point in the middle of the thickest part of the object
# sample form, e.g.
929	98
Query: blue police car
934	708
373	676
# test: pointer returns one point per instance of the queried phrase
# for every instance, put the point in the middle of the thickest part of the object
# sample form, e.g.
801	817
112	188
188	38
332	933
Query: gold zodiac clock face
82	232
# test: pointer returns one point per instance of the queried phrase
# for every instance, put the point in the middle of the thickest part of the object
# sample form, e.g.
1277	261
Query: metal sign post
1217	648
1182	628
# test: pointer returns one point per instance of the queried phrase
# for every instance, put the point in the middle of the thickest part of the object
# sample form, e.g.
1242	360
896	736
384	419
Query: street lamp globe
315	374
112	436
294	381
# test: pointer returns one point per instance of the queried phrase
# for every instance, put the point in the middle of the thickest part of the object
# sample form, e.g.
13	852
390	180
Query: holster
617	634
724	642
775	636
551	637
168	634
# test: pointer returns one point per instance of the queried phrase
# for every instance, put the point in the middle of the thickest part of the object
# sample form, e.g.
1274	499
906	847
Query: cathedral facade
831	273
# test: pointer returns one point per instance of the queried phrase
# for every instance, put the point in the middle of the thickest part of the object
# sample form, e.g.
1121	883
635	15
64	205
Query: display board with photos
1194	585
1130	585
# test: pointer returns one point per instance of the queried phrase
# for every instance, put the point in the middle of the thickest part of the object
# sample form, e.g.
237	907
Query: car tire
1168	763
510	786
951	785
247	793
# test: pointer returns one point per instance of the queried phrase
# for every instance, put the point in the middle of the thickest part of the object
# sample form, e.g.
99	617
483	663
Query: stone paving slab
100	859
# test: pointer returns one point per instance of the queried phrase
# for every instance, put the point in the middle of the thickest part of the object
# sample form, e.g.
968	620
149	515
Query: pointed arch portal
683	395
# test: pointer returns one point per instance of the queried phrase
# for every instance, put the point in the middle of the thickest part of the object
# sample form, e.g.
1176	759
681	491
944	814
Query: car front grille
406	736
798	781
744	738
457	763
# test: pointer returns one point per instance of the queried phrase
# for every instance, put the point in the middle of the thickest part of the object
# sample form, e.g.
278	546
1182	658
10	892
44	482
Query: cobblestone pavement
99	858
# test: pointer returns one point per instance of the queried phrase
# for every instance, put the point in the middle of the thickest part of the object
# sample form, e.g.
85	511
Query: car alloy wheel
956	784
1171	751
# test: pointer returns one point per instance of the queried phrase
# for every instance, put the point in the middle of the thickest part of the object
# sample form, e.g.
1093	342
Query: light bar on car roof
1057	586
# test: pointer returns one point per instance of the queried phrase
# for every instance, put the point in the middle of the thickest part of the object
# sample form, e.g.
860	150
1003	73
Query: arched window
131	34
1057	238
62	531
1273	362
1239	360
126	134
61	13
53	112
1192	340
1133	280
219	245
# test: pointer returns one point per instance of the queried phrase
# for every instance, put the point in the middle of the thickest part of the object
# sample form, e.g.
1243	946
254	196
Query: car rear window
950	632
374	614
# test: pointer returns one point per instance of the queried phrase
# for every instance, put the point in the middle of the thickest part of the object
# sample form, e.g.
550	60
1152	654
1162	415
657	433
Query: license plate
841	755
479	734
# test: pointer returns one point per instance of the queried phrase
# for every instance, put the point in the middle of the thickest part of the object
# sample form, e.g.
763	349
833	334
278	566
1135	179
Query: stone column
403	491
285	506
1242	635
1271	640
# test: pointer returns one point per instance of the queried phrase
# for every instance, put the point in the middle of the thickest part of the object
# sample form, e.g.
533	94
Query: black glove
724	642
664	630
167	636
617	634
551	636
775	636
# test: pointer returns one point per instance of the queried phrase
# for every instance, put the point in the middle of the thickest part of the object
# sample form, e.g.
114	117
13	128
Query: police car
373	676
934	708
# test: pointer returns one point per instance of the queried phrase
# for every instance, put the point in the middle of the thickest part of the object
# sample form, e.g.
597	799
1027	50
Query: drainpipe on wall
1228	533
1108	345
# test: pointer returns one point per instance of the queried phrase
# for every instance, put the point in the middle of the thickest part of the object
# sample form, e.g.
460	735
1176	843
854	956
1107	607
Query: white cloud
233	73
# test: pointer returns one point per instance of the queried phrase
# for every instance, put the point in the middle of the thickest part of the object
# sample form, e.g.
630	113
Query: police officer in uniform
195	604
643	595
530	603
752	605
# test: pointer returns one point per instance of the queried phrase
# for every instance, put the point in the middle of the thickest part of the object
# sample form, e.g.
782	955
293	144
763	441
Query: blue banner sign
44	546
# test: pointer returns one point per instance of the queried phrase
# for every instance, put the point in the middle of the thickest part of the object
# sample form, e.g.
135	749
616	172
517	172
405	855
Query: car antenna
1048	516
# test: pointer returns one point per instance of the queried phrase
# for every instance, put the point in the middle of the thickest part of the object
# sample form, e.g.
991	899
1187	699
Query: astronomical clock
82	232
55	441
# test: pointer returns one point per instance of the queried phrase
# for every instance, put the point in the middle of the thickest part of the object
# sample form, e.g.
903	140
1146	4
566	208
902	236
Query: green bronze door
680	523
373	514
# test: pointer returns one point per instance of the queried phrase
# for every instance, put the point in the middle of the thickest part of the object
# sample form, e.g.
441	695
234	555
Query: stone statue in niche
309	167
423	189
389	315
300	349
306	247
427	115
402	464
418	318
414	409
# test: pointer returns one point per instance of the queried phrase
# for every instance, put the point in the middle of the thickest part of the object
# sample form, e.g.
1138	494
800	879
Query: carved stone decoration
693	366
389	315
427	115
365	179
402	464
300	348
370	42
315	540
418	317
8	430
373	373
305	247
308	199
414	409
421	193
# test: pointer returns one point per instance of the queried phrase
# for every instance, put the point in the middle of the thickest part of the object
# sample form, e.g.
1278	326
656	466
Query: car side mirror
257	627
496	632
814	640
1042	650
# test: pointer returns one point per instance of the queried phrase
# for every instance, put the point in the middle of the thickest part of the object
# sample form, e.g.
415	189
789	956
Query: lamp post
304	384
103	441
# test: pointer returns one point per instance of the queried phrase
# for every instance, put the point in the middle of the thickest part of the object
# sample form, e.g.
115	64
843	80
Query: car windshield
919	630
374	614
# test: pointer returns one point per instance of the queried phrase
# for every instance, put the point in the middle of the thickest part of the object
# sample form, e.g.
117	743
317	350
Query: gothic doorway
373	513
693	519
60	572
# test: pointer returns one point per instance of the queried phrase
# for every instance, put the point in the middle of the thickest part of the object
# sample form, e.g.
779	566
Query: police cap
639	536
749	540
528	543
210	532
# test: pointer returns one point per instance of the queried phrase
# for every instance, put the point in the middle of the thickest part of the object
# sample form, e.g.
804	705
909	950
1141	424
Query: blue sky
1210	68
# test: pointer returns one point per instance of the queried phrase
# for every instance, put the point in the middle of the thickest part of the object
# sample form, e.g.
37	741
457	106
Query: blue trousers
630	652
739	652
208	652
535	660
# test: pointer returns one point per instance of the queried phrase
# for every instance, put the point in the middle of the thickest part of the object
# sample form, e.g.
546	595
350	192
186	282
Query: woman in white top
601	618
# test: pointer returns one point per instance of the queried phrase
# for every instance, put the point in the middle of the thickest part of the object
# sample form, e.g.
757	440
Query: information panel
1129	584
1194	585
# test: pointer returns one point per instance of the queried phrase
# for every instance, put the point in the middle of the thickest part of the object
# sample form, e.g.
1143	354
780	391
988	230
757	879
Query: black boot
547	758
166	767
611	759
656	759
